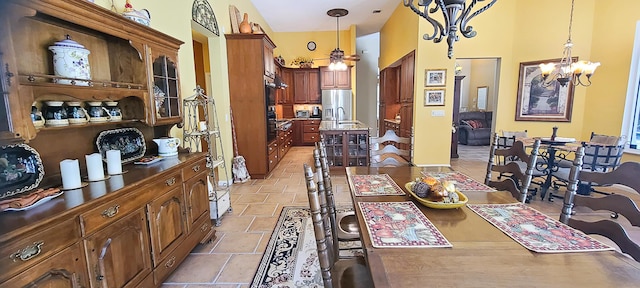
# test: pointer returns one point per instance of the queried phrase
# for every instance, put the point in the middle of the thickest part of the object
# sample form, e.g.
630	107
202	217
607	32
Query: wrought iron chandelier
450	10
568	70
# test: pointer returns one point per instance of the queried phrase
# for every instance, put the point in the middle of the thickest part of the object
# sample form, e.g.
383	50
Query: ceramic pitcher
97	113
114	110
76	114
55	114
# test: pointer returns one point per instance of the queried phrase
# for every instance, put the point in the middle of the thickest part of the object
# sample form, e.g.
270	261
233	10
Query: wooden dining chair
343	224
352	272
389	150
626	174
518	181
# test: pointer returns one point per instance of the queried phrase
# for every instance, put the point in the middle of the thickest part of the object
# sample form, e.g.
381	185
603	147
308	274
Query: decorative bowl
437	205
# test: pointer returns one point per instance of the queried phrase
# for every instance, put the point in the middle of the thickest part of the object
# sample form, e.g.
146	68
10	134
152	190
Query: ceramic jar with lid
55	114
97	113
114	110
76	114
139	16
71	60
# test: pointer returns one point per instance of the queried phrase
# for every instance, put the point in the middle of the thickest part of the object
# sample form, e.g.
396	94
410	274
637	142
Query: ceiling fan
337	56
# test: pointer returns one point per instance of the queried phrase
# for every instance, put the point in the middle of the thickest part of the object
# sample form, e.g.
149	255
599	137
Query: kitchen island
347	143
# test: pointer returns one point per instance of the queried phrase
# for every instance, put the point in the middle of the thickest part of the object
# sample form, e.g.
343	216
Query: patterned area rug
536	231
291	258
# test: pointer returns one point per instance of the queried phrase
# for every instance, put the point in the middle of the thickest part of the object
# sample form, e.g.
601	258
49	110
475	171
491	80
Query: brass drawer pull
171	181
111	211
28	253
204	227
170	263
195	168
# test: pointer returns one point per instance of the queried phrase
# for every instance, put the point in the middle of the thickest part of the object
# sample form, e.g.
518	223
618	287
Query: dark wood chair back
385	151
626	174
324	253
517	182
327	209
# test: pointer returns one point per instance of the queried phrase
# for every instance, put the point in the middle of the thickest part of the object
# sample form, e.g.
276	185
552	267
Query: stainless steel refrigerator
336	104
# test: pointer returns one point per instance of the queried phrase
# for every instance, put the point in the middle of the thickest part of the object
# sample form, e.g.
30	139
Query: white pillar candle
114	162
94	167
70	172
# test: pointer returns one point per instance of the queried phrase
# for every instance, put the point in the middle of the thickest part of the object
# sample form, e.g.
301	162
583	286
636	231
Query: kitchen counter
328	125
394	121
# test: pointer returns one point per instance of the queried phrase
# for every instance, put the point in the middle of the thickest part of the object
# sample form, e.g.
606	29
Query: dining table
479	255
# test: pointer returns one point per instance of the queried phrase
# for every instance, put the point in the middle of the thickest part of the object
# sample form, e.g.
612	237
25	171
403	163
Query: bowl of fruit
432	193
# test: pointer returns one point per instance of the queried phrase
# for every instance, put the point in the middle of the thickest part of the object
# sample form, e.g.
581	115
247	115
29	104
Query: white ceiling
311	15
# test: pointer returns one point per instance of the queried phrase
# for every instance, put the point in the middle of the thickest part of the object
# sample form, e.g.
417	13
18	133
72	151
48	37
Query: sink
348	122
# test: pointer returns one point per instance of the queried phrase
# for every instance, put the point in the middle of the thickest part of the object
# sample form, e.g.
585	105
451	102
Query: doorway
476	91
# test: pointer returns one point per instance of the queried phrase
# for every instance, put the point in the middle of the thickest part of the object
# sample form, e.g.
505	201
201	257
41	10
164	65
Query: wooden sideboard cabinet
133	236
130	63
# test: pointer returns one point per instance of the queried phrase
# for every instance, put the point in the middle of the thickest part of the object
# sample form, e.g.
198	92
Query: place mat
536	231
375	185
400	224
463	182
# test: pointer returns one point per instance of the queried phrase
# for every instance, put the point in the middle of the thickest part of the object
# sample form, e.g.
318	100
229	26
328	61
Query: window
631	120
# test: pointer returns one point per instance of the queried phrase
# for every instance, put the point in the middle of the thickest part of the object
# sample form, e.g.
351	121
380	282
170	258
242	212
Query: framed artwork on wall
434	97
538	101
435	77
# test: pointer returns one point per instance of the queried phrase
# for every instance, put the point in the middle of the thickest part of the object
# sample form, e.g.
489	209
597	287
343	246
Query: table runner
463	182
400	224
536	231
375	185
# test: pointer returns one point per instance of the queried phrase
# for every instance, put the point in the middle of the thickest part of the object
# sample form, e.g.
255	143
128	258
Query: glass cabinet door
333	143
358	147
165	90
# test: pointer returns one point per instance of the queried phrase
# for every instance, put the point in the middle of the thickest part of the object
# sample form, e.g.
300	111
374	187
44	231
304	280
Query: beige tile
240	268
238	242
173	286
251	198
282	198
272	188
244	188
263	224
198	268
212	286
232	223
263	242
260	209
296	188
208	247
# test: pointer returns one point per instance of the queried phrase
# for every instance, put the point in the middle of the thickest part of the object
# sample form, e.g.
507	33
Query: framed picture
538	101
434	97
435	77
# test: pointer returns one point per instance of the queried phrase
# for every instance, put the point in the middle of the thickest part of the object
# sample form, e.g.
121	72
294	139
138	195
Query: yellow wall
294	44
398	36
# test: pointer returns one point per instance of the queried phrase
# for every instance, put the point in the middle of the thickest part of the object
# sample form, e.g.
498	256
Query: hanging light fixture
568	71
450	10
337	55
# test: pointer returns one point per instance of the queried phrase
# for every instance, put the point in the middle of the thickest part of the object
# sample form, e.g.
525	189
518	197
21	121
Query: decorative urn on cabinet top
140	16
71	60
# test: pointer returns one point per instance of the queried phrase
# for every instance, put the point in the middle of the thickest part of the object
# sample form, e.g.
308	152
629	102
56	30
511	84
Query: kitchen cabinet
347	147
406	124
130	237
269	64
310	132
306	86
407	78
298	132
248	99
287	78
335	79
129	63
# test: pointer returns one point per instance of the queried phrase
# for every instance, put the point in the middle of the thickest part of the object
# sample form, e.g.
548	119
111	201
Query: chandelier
568	70
337	55
450	10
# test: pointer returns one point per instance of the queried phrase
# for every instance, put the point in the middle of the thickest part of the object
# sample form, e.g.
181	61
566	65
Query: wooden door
456	115
65	269
407	78
287	78
196	199
167	225
269	65
166	87
300	88
298	133
119	255
314	92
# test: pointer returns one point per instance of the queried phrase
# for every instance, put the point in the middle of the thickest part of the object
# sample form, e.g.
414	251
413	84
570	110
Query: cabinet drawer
118	208
272	160
65	269
311	137
273	147
312	122
189	171
311	128
28	250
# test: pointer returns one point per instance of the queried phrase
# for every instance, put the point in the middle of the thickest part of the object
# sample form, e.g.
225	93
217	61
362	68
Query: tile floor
231	260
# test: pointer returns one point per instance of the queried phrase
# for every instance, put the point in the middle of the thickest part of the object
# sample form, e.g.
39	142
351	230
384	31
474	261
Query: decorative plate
37	203
21	169
129	141
438	205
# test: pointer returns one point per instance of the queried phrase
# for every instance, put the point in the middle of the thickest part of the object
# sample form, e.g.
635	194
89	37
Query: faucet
337	112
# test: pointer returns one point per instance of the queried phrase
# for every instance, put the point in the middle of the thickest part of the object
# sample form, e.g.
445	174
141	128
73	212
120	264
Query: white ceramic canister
71	60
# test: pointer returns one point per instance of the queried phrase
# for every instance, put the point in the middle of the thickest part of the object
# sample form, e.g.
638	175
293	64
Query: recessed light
377	11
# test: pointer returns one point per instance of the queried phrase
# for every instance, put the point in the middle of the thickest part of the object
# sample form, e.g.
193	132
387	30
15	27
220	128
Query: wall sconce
450	10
